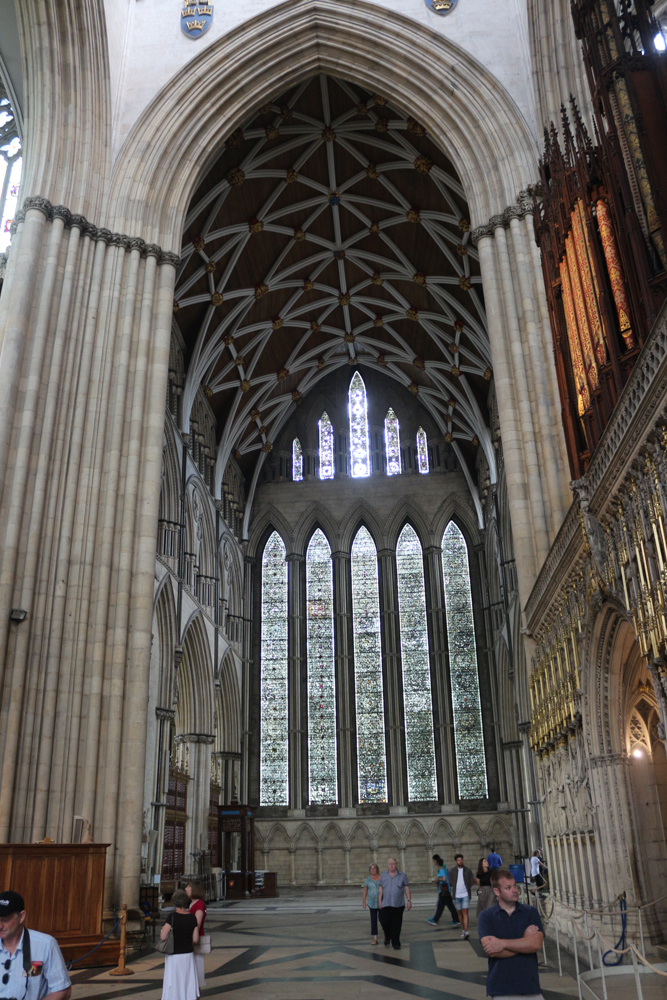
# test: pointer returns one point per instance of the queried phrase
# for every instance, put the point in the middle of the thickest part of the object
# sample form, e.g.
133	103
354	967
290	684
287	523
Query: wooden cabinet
63	889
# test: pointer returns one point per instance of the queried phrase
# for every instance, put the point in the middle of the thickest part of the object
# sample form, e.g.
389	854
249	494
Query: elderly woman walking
370	898
180	973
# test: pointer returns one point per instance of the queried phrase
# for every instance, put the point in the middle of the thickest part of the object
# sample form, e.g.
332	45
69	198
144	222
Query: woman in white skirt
180	972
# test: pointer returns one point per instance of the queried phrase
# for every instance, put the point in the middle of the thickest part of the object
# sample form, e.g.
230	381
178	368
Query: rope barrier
75	960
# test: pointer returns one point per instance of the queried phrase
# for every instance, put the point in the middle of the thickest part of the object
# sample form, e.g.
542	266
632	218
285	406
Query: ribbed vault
330	232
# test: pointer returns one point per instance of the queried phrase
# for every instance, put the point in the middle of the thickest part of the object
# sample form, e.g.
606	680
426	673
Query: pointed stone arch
270	519
407	511
196	693
360	513
317	515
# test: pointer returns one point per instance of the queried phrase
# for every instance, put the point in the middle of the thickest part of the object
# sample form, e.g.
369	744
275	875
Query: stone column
83	362
392	676
199	791
348	792
297	681
443	726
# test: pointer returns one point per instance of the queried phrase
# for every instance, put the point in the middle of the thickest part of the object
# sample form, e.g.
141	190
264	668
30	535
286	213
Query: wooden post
122	969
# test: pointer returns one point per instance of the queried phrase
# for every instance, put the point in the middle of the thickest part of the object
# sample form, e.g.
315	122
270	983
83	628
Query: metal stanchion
576	958
588	942
604	981
641	929
638	982
122	969
560	964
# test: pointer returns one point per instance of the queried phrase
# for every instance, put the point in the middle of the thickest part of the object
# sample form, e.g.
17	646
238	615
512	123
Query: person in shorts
461	880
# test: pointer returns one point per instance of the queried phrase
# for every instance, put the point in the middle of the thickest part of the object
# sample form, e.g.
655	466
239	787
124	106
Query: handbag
166	946
204	945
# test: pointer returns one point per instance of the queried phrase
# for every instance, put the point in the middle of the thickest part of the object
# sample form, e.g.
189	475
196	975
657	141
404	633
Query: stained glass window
371	765
422	450
360	459
419	744
468	736
297	461
321	674
274	749
392	441
326	447
10	168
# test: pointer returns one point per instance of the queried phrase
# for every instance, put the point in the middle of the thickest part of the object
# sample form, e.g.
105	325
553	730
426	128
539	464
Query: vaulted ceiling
331	231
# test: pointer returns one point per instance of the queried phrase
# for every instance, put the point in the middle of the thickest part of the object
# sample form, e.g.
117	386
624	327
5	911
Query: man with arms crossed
31	966
511	934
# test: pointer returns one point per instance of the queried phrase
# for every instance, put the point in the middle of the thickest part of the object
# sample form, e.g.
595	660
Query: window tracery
297	461
10	168
422	451
392	441
468	734
419	743
326	447
323	778
360	463
274	774
371	761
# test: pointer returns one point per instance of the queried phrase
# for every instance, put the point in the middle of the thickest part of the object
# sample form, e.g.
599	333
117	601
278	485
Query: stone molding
523	207
165	713
71	221
195	738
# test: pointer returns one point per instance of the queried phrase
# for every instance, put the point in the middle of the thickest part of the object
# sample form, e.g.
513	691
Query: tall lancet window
297	461
10	168
326	447
419	744
323	778
422	450
274	749
392	443
360	458
371	765
468	735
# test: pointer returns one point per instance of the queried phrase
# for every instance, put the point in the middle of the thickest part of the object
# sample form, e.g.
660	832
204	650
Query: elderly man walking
393	893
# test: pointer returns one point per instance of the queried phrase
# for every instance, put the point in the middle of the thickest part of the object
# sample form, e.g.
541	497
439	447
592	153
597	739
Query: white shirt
52	977
461	884
534	866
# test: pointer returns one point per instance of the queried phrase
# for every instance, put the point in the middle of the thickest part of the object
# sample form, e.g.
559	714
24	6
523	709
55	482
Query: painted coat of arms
442	6
196	18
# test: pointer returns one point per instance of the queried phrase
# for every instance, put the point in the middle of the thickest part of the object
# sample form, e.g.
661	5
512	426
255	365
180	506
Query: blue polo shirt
495	861
517	974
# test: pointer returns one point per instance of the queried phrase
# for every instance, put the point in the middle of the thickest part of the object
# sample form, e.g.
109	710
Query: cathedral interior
333	437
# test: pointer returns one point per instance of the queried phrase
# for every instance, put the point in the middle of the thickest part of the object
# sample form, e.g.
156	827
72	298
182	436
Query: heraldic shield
196	18
442	6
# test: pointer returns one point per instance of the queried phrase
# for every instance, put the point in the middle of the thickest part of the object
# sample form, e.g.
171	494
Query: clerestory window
326	447
360	460
392	443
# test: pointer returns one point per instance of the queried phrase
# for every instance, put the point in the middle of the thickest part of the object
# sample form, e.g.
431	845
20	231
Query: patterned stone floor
316	946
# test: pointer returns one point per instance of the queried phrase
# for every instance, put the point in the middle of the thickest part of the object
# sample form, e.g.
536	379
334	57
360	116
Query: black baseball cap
10	902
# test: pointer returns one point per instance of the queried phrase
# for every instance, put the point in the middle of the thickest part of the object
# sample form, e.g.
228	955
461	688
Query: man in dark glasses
31	965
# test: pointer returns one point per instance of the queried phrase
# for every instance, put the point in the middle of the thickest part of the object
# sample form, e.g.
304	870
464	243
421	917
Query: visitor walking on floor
494	859
369	897
511	934
536	867
181	981
32	966
393	897
460	879
444	895
485	896
195	893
